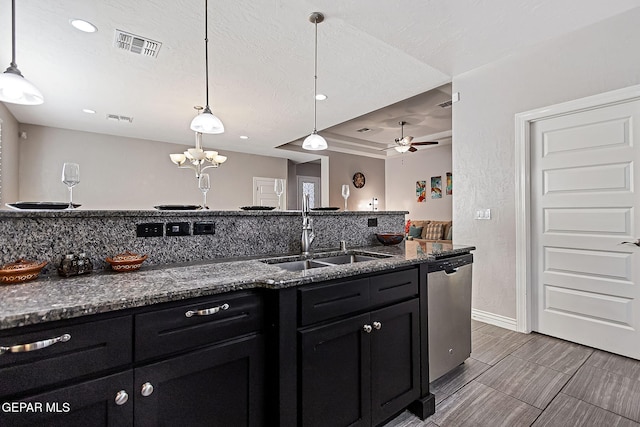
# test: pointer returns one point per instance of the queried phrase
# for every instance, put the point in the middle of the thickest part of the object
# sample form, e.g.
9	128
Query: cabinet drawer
396	286
91	347
198	323
323	302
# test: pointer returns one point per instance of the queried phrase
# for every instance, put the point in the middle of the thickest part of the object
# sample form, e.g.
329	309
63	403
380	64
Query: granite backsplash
49	235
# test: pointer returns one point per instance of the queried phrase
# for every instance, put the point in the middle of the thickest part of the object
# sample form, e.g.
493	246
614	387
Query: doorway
264	192
578	172
309	185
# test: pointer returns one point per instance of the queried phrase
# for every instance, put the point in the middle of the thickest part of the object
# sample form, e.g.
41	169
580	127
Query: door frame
317	180
523	123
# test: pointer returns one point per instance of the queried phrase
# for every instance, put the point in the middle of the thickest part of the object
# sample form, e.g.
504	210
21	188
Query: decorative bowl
126	261
389	239
20	271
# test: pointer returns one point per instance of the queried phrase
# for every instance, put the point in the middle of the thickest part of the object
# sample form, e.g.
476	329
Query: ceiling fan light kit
206	122
405	143
14	88
315	141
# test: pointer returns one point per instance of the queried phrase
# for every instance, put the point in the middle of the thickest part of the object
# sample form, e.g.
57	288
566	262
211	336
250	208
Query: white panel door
264	192
584	178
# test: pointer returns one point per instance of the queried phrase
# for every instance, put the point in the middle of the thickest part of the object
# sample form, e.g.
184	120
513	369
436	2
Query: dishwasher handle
450	272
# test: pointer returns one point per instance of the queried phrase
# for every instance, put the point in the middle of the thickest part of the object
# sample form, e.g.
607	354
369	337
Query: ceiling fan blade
425	143
412	149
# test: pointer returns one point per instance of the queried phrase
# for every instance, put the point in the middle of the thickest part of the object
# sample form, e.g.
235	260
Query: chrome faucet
307	227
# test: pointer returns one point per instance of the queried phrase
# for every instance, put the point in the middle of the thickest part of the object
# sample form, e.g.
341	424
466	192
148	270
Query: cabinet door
88	403
335	386
219	385
395	359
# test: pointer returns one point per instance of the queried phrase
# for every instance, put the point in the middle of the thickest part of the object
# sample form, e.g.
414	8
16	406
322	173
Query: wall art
449	184
436	187
421	191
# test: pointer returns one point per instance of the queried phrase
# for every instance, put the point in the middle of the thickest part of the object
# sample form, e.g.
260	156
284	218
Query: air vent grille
136	44
119	118
363	130
446	104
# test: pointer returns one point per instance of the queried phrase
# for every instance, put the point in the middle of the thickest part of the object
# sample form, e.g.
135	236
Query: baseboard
494	319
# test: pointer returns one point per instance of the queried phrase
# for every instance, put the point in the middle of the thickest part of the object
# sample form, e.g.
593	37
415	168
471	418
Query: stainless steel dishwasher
449	316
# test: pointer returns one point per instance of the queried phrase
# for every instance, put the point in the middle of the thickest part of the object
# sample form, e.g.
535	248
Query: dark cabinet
197	362
361	370
219	385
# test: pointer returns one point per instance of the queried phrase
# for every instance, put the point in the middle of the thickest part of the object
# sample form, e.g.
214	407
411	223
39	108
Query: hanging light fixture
206	122
196	158
14	88
315	141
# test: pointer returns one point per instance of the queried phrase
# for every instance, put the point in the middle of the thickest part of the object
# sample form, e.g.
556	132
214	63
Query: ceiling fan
404	143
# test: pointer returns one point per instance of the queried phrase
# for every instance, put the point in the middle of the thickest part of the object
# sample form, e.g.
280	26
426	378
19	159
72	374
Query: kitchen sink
322	261
348	259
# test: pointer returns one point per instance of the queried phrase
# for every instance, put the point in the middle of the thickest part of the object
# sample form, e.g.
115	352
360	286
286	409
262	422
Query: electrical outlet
372	222
203	228
149	229
178	229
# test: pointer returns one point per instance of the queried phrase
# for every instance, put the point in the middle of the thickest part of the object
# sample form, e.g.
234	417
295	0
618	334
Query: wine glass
345	194
278	187
71	178
204	184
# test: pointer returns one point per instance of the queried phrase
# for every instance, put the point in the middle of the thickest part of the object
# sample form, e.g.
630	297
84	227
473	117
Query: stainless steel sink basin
347	259
300	265
323	261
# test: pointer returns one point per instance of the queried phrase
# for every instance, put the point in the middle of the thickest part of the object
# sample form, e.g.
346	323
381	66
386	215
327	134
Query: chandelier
198	159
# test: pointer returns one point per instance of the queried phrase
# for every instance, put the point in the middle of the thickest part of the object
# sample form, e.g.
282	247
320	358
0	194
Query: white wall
341	169
128	173
8	156
404	170
596	59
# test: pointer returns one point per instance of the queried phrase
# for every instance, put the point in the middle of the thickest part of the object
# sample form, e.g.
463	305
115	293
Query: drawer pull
207	311
147	389
377	325
23	348
121	397
367	328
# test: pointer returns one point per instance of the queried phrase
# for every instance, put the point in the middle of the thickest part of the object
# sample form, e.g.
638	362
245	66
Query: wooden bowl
20	271
389	239
126	261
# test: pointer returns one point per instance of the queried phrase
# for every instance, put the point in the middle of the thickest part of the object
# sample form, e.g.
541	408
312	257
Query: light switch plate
483	214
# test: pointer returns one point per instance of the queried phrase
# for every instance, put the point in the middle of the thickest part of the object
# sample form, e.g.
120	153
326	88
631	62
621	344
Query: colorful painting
449	184
436	187
421	191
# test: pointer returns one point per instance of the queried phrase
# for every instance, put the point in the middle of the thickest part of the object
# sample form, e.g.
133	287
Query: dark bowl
389	239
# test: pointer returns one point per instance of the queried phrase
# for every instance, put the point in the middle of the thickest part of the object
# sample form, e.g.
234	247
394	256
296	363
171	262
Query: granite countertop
54	298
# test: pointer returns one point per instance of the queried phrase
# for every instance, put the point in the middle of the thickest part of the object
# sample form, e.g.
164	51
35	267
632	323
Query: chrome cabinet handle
637	243
367	328
23	348
377	325
147	389
121	397
207	311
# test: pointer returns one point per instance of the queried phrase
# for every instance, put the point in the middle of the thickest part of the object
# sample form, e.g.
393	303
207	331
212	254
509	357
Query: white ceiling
372	53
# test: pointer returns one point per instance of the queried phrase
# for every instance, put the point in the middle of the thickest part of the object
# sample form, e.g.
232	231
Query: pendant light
315	141
14	88
206	122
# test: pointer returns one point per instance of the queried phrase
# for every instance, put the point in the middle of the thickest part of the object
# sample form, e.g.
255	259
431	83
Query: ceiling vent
118	118
136	44
446	104
363	130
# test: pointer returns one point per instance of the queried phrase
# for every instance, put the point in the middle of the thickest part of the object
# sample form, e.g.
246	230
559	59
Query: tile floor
516	379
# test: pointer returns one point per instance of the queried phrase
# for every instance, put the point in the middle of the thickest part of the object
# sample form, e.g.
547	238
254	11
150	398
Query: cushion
415	231
433	232
449	235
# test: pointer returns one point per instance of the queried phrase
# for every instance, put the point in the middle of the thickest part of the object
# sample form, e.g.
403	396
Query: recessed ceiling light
83	25
88	111
244	137
321	97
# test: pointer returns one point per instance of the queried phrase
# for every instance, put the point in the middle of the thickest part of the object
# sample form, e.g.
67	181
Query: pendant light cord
315	80
13	35
206	48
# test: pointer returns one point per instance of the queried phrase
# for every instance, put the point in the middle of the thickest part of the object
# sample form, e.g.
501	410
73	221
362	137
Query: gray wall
129	173
596	59
9	156
341	169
